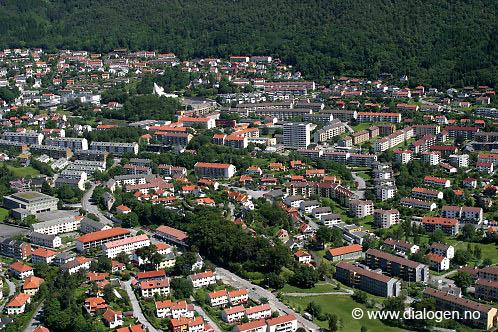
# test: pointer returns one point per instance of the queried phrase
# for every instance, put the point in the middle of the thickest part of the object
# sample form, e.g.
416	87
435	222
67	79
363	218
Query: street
137	310
34	322
257	292
360	191
203	314
88	206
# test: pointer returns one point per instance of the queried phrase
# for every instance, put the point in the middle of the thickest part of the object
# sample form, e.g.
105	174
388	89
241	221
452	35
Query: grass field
3	214
22	171
319	288
342	306
488	250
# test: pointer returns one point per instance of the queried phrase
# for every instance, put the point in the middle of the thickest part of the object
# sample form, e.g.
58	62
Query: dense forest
436	42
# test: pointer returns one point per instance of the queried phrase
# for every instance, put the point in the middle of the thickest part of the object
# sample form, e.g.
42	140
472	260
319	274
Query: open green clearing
342	306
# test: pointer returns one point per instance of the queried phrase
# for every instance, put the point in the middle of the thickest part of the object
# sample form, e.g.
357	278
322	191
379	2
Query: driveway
137	310
257	292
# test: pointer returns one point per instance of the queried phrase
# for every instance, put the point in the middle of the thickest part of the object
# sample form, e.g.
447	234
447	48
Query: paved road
137	310
92	208
35	320
252	193
360	191
12	291
201	312
257	292
348	292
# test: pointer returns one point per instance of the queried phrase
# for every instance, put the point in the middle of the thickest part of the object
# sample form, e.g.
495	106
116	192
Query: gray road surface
257	292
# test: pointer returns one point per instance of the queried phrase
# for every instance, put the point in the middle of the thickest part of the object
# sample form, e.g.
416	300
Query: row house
203	279
184	324
425	193
175	310
401	247
437	182
417	203
150	288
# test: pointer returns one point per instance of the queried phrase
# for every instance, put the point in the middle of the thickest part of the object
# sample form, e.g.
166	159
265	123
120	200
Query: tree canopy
432	41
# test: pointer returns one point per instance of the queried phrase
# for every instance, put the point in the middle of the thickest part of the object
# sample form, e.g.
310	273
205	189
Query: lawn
361	126
23	171
3	214
488	250
365	176
342	306
319	288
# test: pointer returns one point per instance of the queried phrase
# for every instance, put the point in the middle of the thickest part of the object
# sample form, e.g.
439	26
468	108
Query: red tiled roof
345	250
102	235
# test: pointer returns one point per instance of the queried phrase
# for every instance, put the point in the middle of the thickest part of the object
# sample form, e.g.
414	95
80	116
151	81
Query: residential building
17	305
115	148
350	252
45	240
396	266
367	280
386	218
25	203
448	302
152	287
16	249
203	279
127	245
171	235
361	208
297	135
97	239
214	170
447	225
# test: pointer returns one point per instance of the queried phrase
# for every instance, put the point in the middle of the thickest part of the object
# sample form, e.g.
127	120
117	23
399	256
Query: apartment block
367	280
396	266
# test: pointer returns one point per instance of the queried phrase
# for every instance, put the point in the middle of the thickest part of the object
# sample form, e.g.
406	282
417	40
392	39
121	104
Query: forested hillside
436	42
